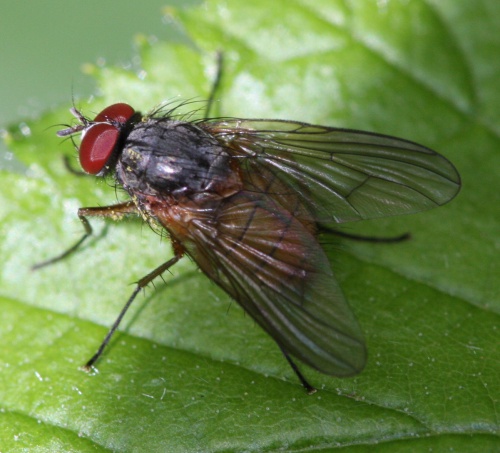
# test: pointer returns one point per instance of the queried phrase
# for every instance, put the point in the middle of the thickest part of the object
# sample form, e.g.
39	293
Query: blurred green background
44	44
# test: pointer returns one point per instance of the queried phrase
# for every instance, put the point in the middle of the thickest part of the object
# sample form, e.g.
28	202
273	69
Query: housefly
247	198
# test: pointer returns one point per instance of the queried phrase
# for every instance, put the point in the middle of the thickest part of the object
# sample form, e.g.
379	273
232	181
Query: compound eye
99	139
97	146
119	113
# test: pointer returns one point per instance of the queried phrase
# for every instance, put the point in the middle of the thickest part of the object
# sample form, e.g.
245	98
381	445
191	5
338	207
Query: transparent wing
273	266
342	175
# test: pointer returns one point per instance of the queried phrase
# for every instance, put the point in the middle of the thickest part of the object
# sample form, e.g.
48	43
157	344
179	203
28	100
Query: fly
247	198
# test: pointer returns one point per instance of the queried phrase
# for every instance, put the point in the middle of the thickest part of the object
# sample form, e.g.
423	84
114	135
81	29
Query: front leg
115	212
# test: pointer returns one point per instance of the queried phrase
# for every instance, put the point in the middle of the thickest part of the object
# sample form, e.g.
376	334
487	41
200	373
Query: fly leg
309	388
115	212
400	238
215	85
144	281
71	169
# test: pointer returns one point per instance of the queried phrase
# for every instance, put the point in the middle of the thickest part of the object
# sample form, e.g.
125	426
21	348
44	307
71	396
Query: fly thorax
162	157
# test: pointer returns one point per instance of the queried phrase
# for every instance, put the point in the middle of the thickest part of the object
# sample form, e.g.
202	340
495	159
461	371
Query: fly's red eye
100	139
120	113
97	145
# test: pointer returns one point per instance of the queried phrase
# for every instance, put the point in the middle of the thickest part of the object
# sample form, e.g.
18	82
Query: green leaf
189	371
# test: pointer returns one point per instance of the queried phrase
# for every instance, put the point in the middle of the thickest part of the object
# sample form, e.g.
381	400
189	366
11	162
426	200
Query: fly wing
272	264
342	175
